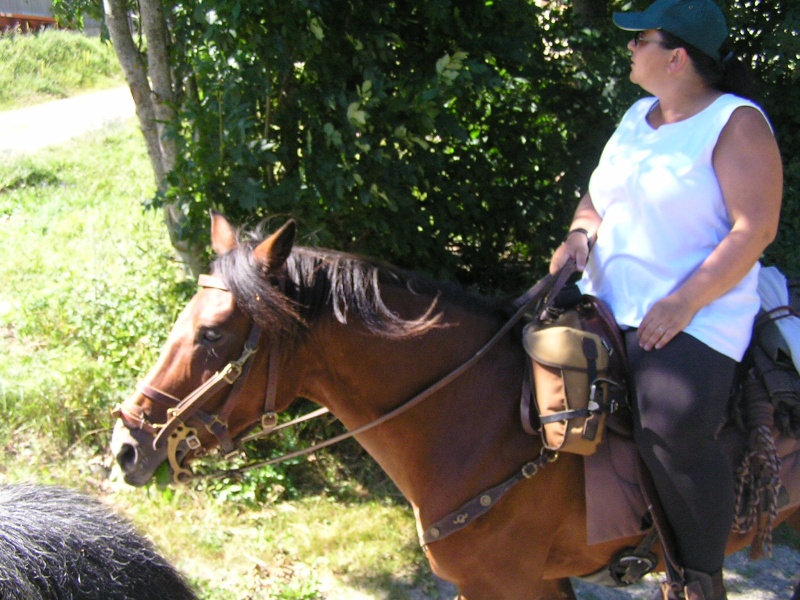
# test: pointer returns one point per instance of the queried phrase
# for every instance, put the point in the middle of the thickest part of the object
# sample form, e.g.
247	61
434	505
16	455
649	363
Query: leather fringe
758	475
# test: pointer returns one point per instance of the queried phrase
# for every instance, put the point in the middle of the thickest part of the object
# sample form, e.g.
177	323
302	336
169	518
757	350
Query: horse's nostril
126	458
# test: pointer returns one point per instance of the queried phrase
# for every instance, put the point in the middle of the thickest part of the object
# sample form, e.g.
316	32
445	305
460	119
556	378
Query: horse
360	338
57	543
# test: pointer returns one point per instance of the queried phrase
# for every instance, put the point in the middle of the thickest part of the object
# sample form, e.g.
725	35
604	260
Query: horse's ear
273	251
223	236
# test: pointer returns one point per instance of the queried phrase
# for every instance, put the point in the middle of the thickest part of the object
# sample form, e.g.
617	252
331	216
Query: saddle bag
577	363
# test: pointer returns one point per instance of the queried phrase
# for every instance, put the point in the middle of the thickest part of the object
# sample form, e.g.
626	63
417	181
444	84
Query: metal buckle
269	420
193	441
232	372
234	369
553	455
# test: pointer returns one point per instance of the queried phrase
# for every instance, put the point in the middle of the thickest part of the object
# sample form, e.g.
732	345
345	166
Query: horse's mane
315	280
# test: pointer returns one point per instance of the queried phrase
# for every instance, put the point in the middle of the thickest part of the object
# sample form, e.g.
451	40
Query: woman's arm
577	244
748	166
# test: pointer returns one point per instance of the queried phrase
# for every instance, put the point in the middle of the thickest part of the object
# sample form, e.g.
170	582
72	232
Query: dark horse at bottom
361	338
58	544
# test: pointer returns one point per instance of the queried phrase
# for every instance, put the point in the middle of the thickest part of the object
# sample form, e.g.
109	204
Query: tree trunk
136	76
155	107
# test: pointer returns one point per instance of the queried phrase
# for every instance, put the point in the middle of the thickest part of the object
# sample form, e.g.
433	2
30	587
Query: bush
449	138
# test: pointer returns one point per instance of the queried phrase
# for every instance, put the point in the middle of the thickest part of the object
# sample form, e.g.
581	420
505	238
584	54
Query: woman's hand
665	319
575	246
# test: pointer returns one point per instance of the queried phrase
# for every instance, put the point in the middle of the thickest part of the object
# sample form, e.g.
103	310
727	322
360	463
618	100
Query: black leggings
680	396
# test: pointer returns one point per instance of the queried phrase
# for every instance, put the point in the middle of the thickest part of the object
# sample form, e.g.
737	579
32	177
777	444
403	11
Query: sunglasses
640	40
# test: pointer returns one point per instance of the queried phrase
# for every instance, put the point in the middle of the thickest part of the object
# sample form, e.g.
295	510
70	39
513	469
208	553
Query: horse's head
207	386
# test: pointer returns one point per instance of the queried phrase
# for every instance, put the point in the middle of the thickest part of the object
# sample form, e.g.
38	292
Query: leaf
316	28
442	63
355	115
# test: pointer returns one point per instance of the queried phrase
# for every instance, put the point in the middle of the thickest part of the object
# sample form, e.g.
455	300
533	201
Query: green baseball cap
697	22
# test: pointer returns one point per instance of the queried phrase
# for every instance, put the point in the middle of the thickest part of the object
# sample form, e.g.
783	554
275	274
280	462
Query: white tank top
663	214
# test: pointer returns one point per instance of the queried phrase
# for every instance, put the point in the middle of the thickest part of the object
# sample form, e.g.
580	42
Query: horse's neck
449	441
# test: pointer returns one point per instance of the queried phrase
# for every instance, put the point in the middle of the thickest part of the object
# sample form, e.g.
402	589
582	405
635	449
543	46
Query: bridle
180	436
177	433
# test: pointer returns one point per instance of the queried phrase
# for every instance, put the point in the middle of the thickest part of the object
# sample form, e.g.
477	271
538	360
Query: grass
84	256
53	64
90	291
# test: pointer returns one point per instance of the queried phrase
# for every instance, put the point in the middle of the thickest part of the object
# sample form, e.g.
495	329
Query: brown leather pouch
570	386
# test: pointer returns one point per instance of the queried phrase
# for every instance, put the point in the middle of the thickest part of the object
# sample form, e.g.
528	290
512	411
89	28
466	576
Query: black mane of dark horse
57	544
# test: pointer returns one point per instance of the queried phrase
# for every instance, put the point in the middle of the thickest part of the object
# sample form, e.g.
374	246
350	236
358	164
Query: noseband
175	431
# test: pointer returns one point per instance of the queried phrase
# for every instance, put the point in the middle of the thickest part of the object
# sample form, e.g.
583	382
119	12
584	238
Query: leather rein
181	438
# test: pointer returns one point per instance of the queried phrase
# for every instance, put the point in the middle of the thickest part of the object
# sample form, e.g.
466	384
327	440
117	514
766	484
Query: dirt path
29	129
767	579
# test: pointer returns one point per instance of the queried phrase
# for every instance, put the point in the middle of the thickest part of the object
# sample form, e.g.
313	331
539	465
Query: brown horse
361	338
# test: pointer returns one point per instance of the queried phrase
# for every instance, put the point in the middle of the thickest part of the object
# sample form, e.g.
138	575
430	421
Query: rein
550	283
178	434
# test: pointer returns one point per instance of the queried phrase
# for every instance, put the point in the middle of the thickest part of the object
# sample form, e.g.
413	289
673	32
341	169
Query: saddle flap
565	348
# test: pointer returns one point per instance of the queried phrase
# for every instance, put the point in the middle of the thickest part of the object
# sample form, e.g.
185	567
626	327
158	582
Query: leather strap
565	415
133	417
547	287
526	399
551	285
673	569
157	395
483	502
269	418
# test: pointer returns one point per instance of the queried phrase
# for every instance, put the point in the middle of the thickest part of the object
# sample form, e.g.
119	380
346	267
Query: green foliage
71	13
448	137
53	64
768	33
306	589
441	137
344	472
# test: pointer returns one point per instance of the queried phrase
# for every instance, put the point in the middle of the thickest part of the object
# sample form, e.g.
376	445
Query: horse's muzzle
136	458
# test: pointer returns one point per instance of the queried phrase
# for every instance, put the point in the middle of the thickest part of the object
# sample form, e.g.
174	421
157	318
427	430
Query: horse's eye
210	335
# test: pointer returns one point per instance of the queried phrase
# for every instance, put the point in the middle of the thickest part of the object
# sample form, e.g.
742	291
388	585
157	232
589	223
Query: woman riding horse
684	201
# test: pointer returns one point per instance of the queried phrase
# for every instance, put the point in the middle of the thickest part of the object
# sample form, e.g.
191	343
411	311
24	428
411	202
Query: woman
685	199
